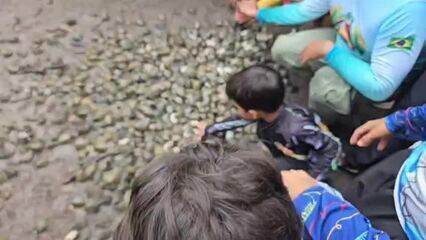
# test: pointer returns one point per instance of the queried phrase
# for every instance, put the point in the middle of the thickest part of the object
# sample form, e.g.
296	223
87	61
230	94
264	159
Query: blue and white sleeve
396	49
326	215
294	13
409	124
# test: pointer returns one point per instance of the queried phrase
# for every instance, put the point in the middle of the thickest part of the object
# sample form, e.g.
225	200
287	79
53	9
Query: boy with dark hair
211	191
294	135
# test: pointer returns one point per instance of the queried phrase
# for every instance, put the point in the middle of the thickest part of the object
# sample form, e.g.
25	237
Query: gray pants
329	94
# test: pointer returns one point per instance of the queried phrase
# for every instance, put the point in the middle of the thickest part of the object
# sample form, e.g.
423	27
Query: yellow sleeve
268	3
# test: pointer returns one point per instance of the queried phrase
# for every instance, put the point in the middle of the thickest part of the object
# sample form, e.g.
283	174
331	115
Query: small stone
92	206
81	143
22	53
101	146
87	173
41	226
142	124
10	173
263	37
192	11
104	234
105	17
140	23
5	194
13	68
80	220
42	163
111	179
73	235
6	53
5	97
63	138
126	44
162	17
78	201
24	136
71	22
123	142
25	157
158	150
10	40
36	146
7	150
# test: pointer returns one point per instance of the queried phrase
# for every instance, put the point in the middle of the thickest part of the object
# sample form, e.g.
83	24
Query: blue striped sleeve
326	215
409	124
295	13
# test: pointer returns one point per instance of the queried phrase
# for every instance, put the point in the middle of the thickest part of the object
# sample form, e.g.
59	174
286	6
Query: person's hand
241	18
316	50
297	181
371	131
201	129
289	152
283	149
247	8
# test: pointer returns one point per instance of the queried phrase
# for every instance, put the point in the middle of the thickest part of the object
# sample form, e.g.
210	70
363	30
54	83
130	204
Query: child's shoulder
299	112
299	120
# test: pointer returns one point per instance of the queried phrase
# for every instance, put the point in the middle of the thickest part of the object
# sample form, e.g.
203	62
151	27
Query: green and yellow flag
402	43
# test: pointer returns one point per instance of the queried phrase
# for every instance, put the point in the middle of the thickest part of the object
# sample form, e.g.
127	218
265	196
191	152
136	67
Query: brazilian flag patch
402	43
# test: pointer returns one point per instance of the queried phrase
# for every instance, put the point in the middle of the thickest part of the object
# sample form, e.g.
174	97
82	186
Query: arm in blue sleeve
229	124
396	49
295	13
409	124
326	215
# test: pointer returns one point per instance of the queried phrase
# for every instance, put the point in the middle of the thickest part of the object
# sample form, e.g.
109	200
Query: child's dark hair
258	87
210	191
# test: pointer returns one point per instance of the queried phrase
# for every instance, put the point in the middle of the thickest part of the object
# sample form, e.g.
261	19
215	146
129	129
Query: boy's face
250	115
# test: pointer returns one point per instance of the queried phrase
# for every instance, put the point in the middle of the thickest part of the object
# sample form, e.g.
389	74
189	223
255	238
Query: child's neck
270	117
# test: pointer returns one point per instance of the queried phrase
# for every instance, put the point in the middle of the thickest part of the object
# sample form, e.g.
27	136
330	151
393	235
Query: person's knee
329	93
282	50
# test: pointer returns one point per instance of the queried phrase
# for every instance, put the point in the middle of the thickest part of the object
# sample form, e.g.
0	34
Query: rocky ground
91	91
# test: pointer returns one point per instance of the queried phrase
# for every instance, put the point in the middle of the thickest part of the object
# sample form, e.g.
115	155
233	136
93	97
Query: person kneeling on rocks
212	191
376	48
294	135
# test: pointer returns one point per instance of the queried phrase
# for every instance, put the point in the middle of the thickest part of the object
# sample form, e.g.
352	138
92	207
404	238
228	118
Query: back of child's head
258	87
210	191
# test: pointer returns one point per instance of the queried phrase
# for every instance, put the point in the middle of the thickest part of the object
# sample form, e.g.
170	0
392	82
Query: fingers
360	132
201	128
241	18
283	149
279	146
297	181
367	139
383	143
303	57
247	7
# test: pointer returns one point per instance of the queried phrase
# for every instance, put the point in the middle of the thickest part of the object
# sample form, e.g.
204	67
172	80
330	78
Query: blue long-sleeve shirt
326	215
409	124
378	42
409	194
